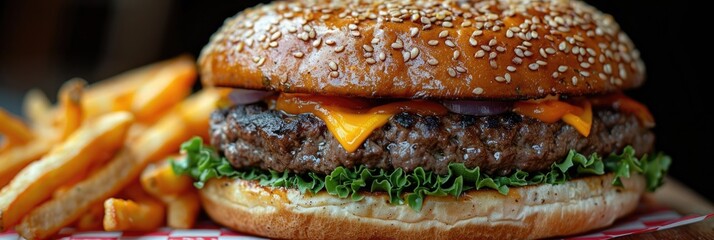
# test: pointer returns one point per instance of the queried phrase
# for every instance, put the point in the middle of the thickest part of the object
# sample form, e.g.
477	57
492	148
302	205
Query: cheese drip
351	120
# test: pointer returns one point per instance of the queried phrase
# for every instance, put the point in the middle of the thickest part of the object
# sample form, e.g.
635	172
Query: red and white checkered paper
643	220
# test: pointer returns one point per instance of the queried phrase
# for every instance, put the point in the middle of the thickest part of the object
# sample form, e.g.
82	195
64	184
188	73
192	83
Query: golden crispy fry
169	86
140	213
13	128
157	142
183	210
12	160
37	181
127	215
37	108
160	180
70	97
92	219
115	93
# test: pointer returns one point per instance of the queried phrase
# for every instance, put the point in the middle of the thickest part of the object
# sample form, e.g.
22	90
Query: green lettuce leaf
203	163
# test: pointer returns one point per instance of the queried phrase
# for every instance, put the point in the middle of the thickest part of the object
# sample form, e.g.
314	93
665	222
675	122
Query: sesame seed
375	40
533	66
585	65
528	53
541	62
398	44
256	59
466	23
352	26
507	76
602	76
329	42
486	48
500	79
298	54
492	42
574	80
355	33
261	61
451	72
585	73
367	48
477	33
492	55
433	42
425	20
542	53
443	34
292	29
414	53
334	74
382	56
511	68
550	51
509	33
275	36
317	42
339	49
563	46
433	61
332	65
447	24
413	31
371	60
406	55
480	54
477	91
555	75
449	43
562	68
456	54
607	68
460	69
519	52
493	64
273	44
500	49
473	42
517	60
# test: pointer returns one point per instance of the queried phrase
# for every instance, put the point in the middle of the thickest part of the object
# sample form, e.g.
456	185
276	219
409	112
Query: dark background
43	43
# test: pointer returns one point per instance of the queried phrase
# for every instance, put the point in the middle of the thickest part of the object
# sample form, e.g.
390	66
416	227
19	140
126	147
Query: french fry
157	142
14	129
140	213
160	180
37	181
115	93
169	86
14	159
37	108
70	97
176	191
182	211
92	219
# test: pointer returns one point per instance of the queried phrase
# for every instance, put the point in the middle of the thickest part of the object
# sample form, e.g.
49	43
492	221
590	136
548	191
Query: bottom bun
526	212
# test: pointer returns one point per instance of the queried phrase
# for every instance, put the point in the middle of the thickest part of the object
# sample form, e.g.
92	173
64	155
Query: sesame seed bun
525	213
428	49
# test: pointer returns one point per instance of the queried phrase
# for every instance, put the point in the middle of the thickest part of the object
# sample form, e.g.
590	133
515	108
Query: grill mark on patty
255	136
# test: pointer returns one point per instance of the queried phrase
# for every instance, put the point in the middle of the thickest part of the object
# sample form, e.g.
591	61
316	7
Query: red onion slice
478	108
246	96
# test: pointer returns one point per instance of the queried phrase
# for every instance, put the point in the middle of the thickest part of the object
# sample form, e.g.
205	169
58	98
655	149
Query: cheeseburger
424	119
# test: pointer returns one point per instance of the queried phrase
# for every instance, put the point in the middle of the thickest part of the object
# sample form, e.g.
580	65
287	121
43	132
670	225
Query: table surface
685	201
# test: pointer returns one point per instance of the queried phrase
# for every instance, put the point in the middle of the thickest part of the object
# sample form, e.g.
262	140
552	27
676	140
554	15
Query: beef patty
255	136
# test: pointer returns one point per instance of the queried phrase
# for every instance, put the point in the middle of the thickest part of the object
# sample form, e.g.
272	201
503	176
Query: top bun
504	50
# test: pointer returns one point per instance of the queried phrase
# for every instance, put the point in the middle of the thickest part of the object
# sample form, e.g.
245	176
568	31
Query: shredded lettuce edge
203	163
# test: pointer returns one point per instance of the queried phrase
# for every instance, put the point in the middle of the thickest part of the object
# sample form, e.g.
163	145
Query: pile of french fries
98	160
